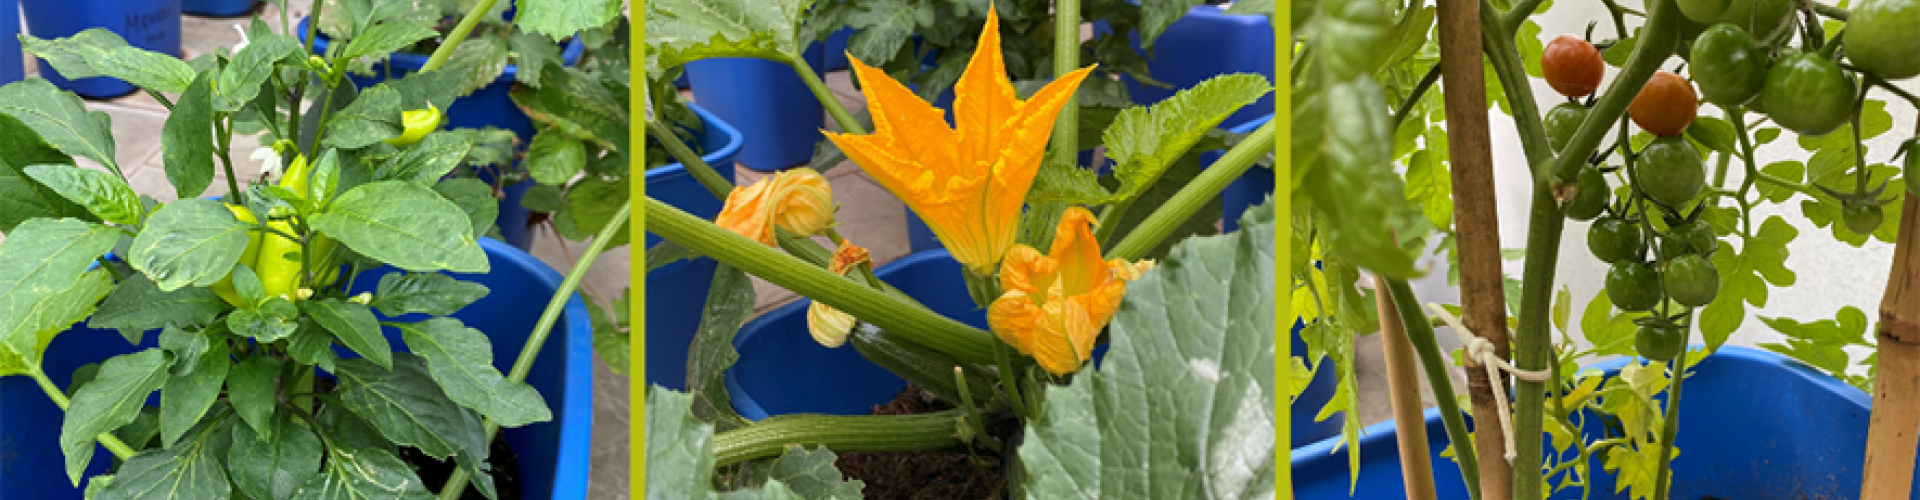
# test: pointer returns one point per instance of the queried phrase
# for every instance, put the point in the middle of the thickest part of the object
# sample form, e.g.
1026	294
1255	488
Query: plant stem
1066	59
1189	199
1420	91
226	161
974	418
458	35
157	96
909	320
59	397
1497	44
826	97
771	437
698	167
1670	427
1403	390
1420	334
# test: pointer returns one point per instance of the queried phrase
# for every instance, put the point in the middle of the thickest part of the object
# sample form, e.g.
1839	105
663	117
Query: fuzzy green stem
974	415
1669	428
459	34
1066	59
708	177
771	437
59	397
1189	199
826	97
904	317
1420	334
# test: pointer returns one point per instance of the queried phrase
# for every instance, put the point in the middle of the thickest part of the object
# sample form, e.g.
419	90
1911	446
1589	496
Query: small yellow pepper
417	123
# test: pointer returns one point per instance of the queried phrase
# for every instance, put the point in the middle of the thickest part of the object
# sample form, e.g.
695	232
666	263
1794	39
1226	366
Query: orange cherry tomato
1572	66
1666	106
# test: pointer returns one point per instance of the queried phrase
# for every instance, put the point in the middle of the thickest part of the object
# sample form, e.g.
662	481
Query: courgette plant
247	293
1678	201
1063	259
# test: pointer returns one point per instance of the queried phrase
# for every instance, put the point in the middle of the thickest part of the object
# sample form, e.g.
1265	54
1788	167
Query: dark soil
922	475
506	471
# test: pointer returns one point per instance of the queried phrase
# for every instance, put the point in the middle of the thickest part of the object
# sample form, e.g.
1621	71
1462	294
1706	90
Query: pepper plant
1678	204
273	381
1061	258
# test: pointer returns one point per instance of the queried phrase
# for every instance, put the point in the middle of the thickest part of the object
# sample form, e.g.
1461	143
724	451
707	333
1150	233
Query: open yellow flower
969	183
830	326
1054	305
798	200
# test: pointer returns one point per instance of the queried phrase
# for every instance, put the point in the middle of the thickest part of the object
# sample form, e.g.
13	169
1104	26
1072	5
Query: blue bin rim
732	147
742	400
413	62
1251	125
1382	434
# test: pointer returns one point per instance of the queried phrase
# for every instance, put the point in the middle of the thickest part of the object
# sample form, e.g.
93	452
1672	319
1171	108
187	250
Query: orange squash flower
1054	305
830	326
798	200
969	183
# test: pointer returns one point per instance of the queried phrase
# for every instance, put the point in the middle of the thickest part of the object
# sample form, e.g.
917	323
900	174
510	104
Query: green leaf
242	77
531	55
811	474
1144	141
374	116
680	446
62	119
461	359
1714	133
274	319
22	343
408	408
22	198
555	157
99	52
563	18
189	242
251	387
311	345
729	304
405	225
106	195
1157	15
1788	170
578	106
429	293
385	38
479	61
187	139
364	474
428	161
592	204
882	29
668	252
43	259
612	337
681	31
111	400
473	196
185	399
1430	185
271	469
1065	182
1177	176
437	88
188	469
1208	388
355	326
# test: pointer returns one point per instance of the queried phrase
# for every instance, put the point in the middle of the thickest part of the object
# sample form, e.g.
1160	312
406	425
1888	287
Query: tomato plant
1665	106
1808	93
1670	171
1572	66
1563	121
1726	65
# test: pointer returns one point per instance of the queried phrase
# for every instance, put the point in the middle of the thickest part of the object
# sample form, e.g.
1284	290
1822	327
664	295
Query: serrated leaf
61	119
105	195
680	31
1062	182
461	359
1144	141
592	204
1208	388
729	304
405	225
99	52
408	408
186	139
355	326
577	106
479	60
271	469
188	469
555	157
429	293
185	399
811	474
111	400
680	446
560	19
189	242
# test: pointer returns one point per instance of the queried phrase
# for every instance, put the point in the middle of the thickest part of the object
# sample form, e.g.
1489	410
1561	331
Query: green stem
157	96
459	34
1829	11
1204	188
59	397
1066	59
1669	428
226	161
1413	98
887	312
1420	334
771	437
708	177
1497	43
974	415
826	98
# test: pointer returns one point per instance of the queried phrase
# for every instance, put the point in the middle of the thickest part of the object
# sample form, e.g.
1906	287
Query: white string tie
1481	352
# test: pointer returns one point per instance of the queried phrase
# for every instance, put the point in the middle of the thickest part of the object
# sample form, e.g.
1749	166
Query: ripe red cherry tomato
1572	66
1666	106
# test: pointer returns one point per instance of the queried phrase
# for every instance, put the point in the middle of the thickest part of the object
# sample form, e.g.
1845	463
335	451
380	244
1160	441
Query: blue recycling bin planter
677	292
12	67
147	24
553	456
1205	43
218	8
1252	188
1754	424
776	113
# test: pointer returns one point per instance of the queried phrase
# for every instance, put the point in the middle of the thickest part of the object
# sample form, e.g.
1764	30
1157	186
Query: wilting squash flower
1054	305
799	201
830	326
970	183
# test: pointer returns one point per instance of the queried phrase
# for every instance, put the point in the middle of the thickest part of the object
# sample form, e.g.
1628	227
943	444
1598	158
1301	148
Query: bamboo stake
1470	151
1895	429
1403	392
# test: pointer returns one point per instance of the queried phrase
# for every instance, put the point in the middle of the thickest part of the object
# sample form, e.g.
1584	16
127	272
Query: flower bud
829	326
804	202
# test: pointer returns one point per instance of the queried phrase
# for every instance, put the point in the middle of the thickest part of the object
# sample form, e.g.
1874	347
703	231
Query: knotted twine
1481	351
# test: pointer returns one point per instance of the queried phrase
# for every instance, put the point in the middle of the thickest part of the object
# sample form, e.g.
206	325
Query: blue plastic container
12	67
218	8
148	24
1205	43
776	113
1252	188
1753	425
553	456
677	292
491	105
837	49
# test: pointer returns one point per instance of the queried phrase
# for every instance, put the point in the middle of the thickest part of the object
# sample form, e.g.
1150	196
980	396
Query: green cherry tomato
1613	239
1880	37
1633	286
1670	171
1725	65
1660	342
1756	16
1704	11
1562	121
1863	219
1691	238
1589	196
1691	280
1912	164
1808	94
